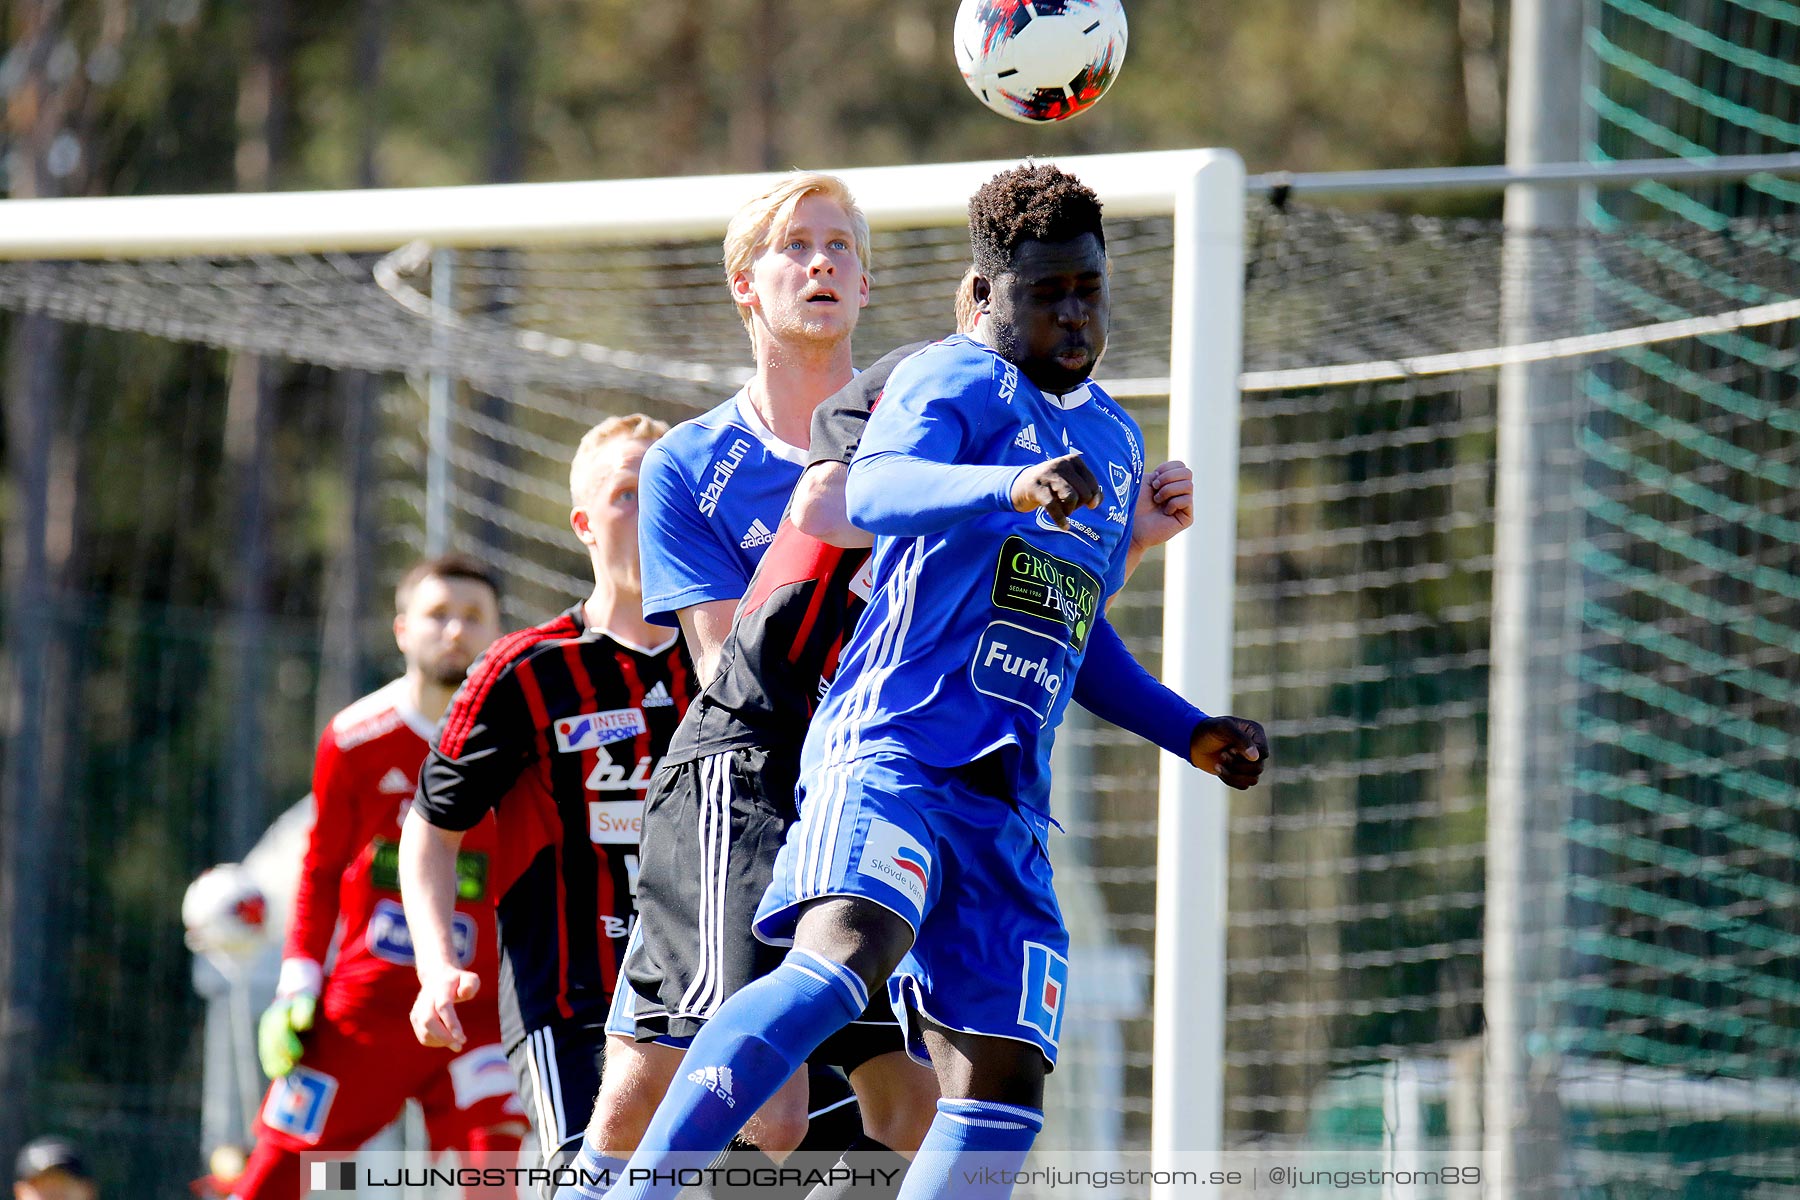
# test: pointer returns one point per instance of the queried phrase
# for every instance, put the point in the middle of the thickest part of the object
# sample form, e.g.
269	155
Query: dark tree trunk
752	128
348	604
44	110
264	105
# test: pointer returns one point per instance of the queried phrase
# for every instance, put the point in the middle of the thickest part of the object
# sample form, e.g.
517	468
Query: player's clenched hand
1234	748
1165	505
434	1018
1059	487
278	1033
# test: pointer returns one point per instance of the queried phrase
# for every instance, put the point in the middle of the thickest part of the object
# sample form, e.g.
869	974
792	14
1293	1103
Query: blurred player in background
556	733
338	1046
797	265
924	824
51	1168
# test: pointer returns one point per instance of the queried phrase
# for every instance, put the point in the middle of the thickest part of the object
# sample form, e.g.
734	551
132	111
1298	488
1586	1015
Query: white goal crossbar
529	214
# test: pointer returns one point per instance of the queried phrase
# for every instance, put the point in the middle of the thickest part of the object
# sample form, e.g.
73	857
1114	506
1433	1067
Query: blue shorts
968	871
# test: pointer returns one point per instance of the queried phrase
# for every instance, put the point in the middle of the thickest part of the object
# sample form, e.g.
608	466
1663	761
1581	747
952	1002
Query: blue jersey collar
1068	401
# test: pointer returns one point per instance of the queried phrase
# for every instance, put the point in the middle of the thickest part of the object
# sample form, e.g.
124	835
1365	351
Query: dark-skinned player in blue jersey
920	850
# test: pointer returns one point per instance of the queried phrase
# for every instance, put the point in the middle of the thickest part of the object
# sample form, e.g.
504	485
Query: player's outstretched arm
905	495
1234	748
428	891
1114	686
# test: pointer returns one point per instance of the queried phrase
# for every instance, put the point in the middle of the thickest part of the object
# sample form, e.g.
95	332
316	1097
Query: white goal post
1203	190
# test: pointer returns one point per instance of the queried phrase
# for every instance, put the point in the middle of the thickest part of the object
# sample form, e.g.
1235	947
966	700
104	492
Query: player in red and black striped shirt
557	731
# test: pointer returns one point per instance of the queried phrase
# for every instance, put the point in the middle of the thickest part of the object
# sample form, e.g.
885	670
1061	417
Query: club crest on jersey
299	1102
1046	987
589	730
389	939
895	857
1121	480
722	472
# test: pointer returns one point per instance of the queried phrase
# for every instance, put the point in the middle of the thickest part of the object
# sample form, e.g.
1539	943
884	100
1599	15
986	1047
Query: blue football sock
739	1059
594	1173
971	1150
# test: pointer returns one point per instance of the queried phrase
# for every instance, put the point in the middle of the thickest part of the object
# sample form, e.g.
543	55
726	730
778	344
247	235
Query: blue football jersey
710	494
974	634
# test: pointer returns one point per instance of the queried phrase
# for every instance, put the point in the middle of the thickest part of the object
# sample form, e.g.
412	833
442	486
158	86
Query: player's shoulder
518	648
374	716
958	365
694	441
1107	404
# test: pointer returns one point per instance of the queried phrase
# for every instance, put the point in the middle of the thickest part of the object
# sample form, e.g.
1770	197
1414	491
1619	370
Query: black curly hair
1035	201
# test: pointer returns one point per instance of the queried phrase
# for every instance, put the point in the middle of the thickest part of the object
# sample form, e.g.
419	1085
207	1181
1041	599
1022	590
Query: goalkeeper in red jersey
338	1046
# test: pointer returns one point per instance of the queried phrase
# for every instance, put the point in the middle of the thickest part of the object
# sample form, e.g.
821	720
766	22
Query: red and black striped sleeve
487	738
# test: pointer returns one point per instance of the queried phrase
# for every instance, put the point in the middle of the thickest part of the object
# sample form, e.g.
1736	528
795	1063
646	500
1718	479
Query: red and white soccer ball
225	913
1040	60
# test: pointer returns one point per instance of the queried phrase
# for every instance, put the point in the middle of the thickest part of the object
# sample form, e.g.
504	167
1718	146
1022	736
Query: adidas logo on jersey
658	696
716	1080
1027	440
395	783
757	535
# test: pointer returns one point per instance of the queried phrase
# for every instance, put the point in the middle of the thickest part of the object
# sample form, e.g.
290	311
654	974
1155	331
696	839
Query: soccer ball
225	913
1040	60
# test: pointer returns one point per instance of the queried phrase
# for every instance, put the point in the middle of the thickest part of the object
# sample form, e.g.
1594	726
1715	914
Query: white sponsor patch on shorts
481	1074
896	857
863	586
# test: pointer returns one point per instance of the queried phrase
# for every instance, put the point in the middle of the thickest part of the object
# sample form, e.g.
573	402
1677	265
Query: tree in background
190	540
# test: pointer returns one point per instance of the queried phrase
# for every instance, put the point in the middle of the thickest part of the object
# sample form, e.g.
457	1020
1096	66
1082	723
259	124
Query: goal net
1374	364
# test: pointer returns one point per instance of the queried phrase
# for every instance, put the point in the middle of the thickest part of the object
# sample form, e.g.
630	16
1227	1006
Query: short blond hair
761	218
967	310
636	426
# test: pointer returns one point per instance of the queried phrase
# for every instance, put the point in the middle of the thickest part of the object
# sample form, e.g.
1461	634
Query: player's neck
619	612
790	382
430	699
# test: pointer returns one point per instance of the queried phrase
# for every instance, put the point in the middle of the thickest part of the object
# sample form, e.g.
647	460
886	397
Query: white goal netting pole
1205	351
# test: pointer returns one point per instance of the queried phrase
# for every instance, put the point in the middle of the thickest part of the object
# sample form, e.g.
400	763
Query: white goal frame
1204	192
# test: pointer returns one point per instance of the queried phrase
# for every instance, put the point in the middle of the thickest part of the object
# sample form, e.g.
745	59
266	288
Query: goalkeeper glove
296	1003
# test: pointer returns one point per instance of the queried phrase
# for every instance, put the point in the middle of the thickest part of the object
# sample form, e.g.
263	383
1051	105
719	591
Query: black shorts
712	829
558	1068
